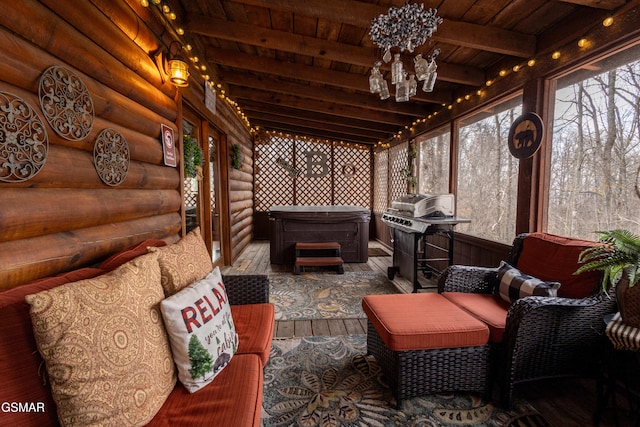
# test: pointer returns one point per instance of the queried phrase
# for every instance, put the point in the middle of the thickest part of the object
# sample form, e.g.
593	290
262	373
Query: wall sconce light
178	68
175	67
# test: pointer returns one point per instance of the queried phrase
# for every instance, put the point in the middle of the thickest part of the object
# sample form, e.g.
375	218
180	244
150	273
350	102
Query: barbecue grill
412	252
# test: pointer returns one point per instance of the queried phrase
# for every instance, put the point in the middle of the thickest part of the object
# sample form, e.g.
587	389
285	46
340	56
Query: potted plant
618	257
192	157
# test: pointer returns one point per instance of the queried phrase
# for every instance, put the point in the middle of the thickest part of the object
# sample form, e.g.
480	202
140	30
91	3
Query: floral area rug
330	382
311	296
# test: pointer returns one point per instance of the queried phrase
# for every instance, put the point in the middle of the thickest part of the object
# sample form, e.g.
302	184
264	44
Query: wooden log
25	260
240	205
70	168
22	64
64	41
243	214
142	147
241	186
236	195
240	245
30	212
92	22
125	18
239	226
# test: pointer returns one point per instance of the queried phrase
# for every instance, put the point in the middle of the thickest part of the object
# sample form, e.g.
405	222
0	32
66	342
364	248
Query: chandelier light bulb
556	54
405	28
608	21
583	43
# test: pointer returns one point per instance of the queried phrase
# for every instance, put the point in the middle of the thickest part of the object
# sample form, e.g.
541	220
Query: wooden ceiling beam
454	32
313	116
308	73
598	4
368	101
331	108
317	48
316	133
260	117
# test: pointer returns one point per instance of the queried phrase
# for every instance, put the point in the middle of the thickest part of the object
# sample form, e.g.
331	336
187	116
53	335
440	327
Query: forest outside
596	149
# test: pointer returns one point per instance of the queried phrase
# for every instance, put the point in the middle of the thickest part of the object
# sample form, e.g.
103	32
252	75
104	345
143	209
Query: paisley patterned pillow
183	262
105	347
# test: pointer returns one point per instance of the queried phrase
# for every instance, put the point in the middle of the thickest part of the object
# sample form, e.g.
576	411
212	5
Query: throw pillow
183	262
513	284
105	347
201	330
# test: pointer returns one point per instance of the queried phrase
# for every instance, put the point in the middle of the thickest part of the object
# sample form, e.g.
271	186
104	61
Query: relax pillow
513	284
200	327
105	347
183	262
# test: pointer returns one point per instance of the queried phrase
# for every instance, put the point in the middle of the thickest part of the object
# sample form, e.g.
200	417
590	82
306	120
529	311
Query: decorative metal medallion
66	103
24	143
111	157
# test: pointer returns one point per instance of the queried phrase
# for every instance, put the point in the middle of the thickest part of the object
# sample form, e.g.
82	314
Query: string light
582	43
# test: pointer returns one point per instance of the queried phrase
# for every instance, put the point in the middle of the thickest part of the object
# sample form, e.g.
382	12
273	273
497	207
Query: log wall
65	217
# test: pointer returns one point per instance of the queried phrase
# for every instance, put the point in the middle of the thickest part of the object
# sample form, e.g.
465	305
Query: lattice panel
190	192
310	172
352	176
381	181
313	186
398	161
275	172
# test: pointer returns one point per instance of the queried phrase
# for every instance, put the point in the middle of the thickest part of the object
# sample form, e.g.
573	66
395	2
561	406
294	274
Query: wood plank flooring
563	402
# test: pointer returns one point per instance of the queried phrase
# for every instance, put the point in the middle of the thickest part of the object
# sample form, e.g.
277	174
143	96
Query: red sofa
234	398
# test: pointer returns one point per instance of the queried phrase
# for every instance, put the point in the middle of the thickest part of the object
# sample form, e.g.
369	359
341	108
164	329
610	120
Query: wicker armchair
247	288
544	336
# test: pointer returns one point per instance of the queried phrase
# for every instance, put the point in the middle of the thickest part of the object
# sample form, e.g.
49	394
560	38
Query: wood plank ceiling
302	66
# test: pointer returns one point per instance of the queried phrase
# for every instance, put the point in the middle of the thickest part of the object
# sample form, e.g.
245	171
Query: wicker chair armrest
247	289
551	336
559	323
561	307
470	279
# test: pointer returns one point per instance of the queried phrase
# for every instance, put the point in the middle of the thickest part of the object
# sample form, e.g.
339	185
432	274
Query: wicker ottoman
425	344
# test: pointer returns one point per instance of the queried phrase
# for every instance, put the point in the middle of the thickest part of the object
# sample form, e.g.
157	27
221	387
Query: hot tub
347	225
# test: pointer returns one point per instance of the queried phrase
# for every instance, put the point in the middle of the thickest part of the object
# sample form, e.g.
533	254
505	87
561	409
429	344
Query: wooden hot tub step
318	254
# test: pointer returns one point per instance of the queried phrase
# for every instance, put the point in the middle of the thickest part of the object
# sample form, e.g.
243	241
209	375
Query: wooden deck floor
563	402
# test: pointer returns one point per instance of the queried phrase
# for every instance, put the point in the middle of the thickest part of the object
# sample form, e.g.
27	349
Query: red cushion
555	258
422	321
485	307
233	398
116	260
21	367
254	324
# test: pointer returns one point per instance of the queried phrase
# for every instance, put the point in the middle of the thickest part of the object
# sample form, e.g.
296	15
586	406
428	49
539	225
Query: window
488	173
433	162
596	148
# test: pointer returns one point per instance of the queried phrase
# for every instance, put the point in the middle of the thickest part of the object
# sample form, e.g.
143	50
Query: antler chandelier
404	28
